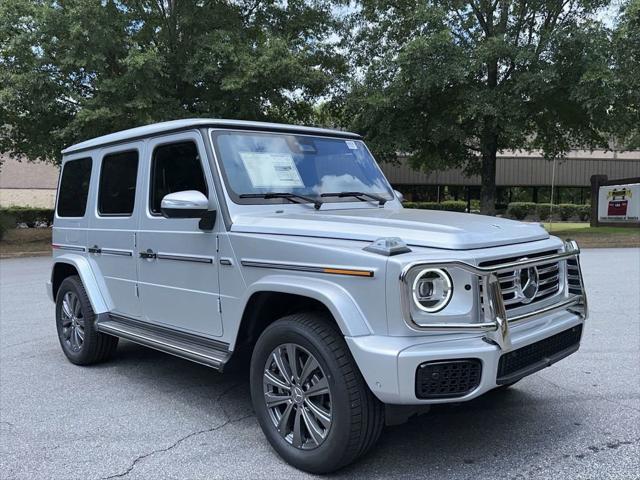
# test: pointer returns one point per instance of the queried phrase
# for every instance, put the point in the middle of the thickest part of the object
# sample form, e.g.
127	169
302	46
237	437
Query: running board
205	351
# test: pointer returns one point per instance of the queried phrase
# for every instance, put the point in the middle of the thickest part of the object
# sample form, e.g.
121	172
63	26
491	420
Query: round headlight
432	290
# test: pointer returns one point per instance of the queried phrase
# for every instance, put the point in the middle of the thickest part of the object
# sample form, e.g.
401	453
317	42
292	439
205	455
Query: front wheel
309	396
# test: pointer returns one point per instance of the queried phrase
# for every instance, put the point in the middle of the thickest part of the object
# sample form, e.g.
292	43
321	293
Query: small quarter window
175	167
118	177
74	188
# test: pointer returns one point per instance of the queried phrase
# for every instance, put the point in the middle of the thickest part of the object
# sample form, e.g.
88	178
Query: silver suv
213	240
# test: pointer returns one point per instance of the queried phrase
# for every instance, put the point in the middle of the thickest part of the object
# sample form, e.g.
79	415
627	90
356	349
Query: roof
174	125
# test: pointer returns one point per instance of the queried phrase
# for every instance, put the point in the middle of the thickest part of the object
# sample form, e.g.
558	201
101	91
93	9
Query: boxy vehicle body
213	239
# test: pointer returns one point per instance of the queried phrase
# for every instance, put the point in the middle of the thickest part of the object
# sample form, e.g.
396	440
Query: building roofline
176	125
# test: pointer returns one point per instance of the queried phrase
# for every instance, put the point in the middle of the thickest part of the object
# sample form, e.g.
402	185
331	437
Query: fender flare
338	300
95	288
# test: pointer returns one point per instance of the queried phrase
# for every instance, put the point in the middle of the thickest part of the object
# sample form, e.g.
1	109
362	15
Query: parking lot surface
149	415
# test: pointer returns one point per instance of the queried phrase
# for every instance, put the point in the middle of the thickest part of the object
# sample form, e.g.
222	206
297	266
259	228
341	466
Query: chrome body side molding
183	258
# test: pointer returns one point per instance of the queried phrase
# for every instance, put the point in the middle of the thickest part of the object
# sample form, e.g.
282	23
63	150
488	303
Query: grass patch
23	242
595	237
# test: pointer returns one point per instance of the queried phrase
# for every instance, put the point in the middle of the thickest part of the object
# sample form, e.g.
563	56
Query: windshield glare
261	163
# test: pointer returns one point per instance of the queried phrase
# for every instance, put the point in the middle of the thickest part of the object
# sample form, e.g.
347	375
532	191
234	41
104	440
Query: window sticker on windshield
271	170
351	145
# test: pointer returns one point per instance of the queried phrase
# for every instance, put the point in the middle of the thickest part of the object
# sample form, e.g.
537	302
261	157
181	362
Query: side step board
205	351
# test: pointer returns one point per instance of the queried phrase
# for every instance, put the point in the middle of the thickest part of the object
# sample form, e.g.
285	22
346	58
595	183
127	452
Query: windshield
257	165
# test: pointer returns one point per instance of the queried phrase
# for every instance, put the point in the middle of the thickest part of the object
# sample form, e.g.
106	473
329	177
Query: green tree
452	82
74	69
626	54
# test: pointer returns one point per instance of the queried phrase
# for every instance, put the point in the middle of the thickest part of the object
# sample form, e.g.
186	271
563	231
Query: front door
177	264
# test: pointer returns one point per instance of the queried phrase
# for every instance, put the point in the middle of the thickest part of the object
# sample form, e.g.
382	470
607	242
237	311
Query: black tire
357	416
95	346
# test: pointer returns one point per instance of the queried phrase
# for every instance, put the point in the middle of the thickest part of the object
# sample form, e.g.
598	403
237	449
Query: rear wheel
309	396
75	321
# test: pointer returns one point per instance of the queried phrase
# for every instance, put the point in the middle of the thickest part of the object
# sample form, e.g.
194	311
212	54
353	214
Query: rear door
178	270
113	223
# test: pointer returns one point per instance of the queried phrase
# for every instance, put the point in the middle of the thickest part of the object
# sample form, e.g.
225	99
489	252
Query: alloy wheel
297	396
72	322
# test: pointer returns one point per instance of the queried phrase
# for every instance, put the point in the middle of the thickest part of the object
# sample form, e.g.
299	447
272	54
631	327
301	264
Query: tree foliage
626	64
75	69
452	82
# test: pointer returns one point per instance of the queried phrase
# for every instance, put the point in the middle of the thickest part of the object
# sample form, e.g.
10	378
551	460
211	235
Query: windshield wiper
292	197
359	195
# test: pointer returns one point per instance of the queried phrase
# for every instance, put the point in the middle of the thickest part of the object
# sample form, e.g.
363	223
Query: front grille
548	281
448	378
526	360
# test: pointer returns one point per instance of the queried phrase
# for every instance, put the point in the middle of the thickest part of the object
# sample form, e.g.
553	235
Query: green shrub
29	215
448	205
584	212
6	222
521	210
542	211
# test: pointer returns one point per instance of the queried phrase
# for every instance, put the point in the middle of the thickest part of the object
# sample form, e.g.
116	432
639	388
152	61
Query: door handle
94	249
149	254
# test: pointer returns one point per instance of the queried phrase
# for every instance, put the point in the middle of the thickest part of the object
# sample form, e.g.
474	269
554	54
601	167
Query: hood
424	228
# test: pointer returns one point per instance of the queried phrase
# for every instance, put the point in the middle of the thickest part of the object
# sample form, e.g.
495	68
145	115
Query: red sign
617	207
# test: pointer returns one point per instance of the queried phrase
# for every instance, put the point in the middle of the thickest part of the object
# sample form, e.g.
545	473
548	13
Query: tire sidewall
72	285
329	454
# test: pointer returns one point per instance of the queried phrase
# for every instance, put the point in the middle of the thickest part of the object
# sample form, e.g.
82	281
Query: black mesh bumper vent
448	378
526	360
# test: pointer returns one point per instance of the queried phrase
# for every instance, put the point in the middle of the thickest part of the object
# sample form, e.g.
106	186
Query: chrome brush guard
493	315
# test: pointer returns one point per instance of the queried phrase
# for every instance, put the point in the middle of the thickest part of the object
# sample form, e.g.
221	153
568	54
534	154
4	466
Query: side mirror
399	195
187	204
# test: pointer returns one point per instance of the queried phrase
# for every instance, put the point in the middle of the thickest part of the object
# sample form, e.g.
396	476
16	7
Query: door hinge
219	305
217	243
137	291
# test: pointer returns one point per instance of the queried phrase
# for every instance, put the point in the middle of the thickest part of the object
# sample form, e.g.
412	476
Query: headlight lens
432	290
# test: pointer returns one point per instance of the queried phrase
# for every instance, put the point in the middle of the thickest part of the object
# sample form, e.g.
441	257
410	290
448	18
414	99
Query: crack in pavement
228	421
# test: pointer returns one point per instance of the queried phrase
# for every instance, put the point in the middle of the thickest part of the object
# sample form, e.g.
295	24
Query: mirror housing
186	204
399	195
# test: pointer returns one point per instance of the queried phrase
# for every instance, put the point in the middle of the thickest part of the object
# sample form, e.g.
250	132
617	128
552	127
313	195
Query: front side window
260	163
74	188
175	167
118	177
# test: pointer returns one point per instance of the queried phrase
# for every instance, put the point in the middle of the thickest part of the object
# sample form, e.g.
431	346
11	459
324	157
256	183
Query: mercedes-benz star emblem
527	282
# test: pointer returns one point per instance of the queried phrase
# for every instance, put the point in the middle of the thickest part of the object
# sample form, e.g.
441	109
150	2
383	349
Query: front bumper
389	364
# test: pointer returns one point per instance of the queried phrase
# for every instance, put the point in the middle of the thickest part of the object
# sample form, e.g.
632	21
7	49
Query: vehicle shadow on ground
515	424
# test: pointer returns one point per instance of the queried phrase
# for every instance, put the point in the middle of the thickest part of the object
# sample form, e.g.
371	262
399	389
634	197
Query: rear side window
74	188
174	168
118	176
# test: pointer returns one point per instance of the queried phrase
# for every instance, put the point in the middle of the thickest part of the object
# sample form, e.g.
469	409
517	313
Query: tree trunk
489	148
488	188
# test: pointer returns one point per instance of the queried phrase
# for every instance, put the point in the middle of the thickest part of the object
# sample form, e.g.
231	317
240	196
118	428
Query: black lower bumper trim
529	359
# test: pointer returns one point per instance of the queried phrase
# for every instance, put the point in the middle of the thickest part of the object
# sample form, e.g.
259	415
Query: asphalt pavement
149	415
